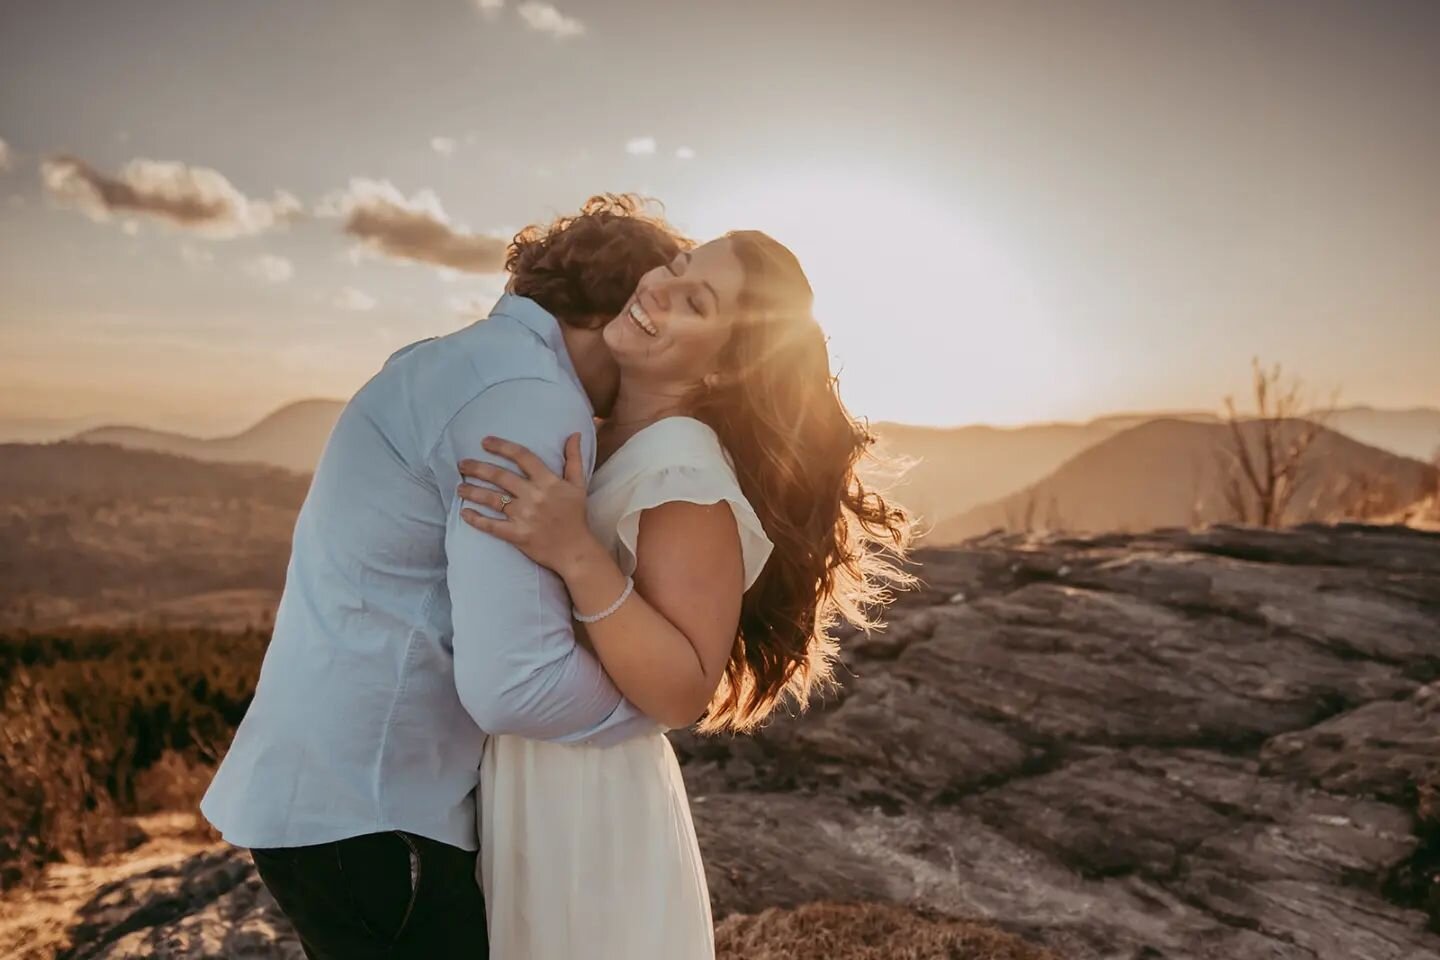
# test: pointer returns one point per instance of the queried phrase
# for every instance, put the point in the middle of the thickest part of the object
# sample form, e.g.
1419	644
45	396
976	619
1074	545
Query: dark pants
383	895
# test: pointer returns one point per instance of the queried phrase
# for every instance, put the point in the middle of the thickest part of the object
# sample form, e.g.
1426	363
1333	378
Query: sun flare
927	311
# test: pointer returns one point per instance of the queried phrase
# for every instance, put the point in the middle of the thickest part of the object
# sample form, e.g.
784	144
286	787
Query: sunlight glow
928	315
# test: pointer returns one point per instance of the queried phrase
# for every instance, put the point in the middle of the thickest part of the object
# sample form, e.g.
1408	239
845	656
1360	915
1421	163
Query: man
404	637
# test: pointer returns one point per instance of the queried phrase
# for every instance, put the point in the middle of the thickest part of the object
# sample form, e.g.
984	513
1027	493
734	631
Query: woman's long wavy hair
838	544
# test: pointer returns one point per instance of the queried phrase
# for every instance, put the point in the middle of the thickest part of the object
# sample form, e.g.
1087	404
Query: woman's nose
660	292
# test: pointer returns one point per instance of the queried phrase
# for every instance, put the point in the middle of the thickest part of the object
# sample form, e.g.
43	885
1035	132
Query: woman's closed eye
693	303
674	266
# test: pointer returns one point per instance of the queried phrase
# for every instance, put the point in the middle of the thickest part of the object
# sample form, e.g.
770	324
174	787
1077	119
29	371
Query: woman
725	531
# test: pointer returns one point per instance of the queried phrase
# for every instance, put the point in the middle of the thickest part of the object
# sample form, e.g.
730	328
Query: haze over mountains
291	437
958	469
982	461
101	535
952	470
1171	473
43	429
133	524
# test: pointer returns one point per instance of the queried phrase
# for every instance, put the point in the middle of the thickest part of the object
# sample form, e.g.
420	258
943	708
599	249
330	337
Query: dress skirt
590	852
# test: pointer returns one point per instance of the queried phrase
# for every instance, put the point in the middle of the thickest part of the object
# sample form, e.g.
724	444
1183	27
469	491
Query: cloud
268	268
196	256
386	223
684	153
6	160
445	146
640	146
131	228
352	299
490	8
191	198
546	19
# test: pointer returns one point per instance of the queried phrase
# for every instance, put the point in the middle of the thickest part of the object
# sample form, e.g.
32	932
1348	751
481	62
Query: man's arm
518	668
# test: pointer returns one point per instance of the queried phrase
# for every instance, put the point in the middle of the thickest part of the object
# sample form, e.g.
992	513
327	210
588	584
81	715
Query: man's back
399	639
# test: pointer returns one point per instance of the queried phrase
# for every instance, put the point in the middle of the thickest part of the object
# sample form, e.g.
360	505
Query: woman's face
680	318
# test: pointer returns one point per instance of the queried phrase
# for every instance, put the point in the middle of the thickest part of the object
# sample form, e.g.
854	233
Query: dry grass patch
866	931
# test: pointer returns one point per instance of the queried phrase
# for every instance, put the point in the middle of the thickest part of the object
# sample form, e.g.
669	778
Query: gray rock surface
1179	745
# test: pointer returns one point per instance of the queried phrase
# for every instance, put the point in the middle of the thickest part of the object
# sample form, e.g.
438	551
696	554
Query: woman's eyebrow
705	283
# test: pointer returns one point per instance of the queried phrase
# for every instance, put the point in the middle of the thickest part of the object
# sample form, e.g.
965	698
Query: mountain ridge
1167	473
290	436
948	470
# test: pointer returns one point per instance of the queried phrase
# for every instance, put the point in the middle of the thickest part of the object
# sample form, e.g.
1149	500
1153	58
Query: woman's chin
614	335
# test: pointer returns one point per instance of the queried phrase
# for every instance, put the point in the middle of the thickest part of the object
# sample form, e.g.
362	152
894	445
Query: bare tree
1435	498
1266	459
1020	515
1054	518
1197	495
1367	496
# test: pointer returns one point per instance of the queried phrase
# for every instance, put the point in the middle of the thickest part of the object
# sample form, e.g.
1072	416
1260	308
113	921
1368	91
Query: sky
1010	211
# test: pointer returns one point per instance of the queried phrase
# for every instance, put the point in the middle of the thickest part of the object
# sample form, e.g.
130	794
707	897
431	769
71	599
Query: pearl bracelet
593	618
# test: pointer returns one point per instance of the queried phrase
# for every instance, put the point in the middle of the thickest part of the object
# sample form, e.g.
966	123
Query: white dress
589	851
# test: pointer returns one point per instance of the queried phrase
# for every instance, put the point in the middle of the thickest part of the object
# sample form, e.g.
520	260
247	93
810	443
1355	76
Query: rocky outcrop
1186	745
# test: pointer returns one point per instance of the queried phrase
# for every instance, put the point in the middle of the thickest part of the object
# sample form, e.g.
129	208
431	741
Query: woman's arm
666	647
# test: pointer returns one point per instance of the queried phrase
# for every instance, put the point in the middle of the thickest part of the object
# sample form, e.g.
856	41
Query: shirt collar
543	324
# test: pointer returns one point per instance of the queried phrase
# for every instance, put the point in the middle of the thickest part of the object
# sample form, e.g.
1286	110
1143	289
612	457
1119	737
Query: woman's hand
544	514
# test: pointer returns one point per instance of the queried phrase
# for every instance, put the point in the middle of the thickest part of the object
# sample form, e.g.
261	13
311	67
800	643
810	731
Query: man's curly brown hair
584	268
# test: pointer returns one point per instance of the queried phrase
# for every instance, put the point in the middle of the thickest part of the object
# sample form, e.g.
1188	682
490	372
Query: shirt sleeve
518	668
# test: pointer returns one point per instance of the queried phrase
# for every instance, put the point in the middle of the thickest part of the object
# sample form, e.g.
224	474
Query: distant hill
1410	433
98	534
959	468
42	429
291	437
1166	473
954	469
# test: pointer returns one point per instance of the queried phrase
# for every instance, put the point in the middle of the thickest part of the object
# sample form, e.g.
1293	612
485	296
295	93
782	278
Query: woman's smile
641	318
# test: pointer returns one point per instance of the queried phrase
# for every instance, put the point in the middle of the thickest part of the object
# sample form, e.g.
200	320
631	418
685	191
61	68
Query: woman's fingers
482	496
530	465
496	528
574	464
506	479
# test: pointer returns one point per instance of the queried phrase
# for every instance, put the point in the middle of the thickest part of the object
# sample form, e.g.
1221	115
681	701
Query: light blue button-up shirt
404	636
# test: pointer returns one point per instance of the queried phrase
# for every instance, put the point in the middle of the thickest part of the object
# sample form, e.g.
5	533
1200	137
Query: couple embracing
625	502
